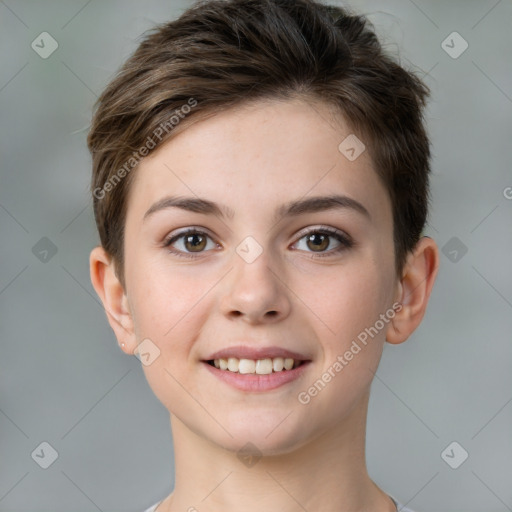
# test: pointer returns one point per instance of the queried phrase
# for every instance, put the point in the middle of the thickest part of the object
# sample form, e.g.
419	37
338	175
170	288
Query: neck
327	473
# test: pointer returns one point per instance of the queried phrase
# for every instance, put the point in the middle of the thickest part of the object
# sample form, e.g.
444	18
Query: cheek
345	300
164	298
170	308
350	302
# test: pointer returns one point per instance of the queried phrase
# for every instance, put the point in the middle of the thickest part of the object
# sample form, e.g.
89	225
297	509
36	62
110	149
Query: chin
263	437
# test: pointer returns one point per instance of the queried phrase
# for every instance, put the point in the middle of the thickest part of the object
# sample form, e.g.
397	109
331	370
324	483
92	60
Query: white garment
153	508
399	506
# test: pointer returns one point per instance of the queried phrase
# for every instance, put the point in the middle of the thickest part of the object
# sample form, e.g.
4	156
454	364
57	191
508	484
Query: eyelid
345	242
175	236
344	239
324	229
184	231
303	232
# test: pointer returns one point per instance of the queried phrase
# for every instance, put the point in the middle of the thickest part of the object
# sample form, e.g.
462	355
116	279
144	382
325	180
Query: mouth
265	366
259	375
256	368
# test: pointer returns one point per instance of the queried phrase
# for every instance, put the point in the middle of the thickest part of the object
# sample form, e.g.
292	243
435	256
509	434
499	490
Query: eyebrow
292	208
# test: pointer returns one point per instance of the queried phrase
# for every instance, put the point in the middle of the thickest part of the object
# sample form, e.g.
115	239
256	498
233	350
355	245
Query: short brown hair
221	53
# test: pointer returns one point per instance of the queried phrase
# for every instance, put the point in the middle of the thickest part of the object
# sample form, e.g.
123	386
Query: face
271	264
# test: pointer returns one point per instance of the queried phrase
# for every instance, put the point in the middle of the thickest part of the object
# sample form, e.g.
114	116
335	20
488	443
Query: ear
113	296
420	271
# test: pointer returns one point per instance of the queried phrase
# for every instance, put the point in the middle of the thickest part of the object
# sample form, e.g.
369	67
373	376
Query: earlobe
414	289
113	297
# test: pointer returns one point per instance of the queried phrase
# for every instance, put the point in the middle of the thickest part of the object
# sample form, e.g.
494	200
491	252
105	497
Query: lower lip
255	382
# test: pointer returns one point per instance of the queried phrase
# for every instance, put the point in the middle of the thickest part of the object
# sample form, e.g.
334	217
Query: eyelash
345	241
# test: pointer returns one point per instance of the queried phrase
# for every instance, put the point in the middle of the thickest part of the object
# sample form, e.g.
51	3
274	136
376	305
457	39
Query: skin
253	159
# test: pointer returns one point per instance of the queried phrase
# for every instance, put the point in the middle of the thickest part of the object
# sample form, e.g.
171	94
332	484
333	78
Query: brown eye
195	243
189	242
324	242
318	241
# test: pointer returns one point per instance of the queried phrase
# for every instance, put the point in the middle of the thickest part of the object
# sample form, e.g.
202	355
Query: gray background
64	381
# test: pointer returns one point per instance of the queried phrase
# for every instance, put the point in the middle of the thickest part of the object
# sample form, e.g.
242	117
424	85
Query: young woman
260	187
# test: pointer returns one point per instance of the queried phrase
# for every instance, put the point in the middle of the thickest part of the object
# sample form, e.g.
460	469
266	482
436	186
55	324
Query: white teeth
278	364
263	366
233	364
246	366
260	366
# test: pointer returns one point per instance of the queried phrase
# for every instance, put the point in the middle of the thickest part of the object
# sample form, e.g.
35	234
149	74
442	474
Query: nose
256	292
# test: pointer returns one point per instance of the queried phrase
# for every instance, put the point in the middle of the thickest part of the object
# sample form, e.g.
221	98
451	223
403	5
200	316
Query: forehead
258	154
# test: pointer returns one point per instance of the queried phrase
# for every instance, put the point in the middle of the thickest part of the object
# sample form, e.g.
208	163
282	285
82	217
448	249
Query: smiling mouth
256	367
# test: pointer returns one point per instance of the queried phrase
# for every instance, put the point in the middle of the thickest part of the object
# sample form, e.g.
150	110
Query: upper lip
247	352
